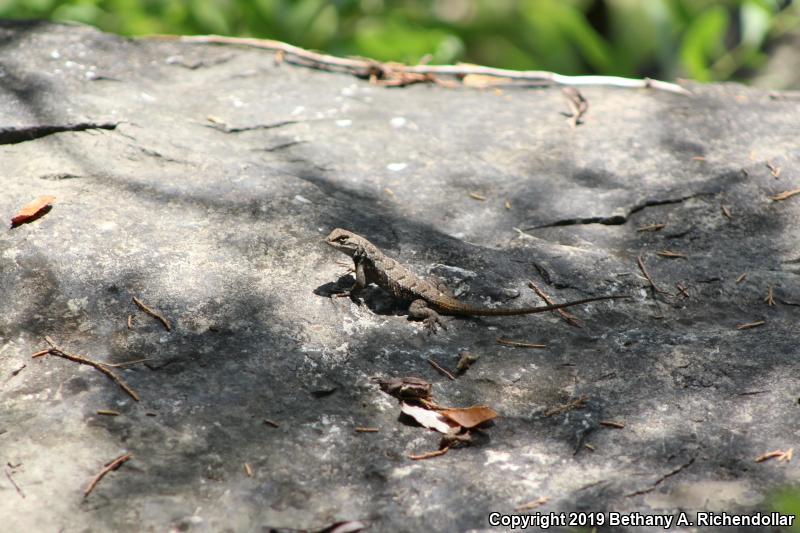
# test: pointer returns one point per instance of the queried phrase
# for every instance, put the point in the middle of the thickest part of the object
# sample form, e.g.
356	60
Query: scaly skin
429	298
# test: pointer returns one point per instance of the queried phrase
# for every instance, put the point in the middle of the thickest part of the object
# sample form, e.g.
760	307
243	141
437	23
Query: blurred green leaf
703	42
787	501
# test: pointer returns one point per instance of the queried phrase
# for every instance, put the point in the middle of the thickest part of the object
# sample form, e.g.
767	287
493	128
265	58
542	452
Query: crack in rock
19	135
617	220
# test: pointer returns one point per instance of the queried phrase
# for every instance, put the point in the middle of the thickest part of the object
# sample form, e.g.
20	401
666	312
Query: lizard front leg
360	283
430	318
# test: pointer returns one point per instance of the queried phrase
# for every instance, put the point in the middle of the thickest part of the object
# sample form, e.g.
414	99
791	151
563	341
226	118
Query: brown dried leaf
430	419
470	417
407	388
32	210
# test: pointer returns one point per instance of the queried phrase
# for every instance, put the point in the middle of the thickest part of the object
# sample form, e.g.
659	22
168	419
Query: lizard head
343	240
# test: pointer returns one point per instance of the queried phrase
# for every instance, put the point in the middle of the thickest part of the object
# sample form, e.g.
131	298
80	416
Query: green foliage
702	39
787	502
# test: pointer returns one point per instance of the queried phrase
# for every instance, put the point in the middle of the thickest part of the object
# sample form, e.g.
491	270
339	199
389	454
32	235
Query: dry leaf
32	210
470	417
430	419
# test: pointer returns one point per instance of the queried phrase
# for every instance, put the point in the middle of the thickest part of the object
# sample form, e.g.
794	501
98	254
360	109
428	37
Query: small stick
774	170
248	470
130	321
682	290
784	195
770	298
588	446
477	196
727	212
519	344
108	412
741	278
652	227
532	504
366	430
272	423
113	465
429	455
777	453
570	319
441	370
578	403
11	479
750	325
55	350
395	74
578	105
152	313
612	424
647	275
671	254
41	353
17	371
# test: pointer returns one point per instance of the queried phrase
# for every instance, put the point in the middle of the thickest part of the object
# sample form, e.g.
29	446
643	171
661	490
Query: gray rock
202	179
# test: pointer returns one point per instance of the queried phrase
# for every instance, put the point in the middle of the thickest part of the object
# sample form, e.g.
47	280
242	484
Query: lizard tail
468	310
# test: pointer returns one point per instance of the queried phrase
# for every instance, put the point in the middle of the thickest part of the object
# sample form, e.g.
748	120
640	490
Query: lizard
429	297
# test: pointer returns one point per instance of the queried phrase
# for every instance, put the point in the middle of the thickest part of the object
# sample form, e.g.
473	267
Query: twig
429	455
477	196
578	403
519	344
751	325
769	299
774	170
17	371
11	479
652	227
570	319
662	479
113	465
248	470
55	350
578	105
741	278
538	502
366	430
682	290
647	275
672	255
152	313
726	211
272	423
399	74
779	454
612	424
784	195
130	321
441	370
108	412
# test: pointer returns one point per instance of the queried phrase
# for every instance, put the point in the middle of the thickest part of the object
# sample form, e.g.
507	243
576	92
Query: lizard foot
433	323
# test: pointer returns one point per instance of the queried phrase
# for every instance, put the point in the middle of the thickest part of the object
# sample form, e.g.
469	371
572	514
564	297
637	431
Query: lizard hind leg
431	320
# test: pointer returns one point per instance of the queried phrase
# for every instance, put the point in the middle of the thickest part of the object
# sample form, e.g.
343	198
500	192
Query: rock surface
202	180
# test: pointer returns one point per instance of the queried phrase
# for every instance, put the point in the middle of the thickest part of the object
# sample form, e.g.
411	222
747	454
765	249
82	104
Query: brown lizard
429	297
